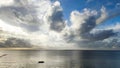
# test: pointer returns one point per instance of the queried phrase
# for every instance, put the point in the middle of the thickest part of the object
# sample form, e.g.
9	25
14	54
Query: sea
60	59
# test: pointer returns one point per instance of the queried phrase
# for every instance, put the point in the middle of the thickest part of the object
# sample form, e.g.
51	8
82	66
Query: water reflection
60	59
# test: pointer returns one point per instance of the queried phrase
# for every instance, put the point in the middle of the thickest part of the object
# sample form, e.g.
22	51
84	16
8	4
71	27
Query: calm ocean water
60	59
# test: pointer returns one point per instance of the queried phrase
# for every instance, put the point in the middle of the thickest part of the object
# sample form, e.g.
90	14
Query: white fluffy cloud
103	16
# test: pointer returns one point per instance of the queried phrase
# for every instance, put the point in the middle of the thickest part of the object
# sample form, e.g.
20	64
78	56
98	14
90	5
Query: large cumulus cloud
83	29
83	24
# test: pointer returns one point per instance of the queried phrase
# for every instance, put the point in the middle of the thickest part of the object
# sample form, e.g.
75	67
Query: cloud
29	15
14	42
55	17
99	35
24	14
32	21
103	16
41	23
83	24
106	15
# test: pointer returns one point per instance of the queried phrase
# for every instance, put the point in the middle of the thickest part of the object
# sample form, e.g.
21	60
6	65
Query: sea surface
60	59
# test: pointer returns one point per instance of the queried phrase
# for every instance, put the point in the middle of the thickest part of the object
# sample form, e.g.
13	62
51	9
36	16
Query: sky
70	5
60	23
